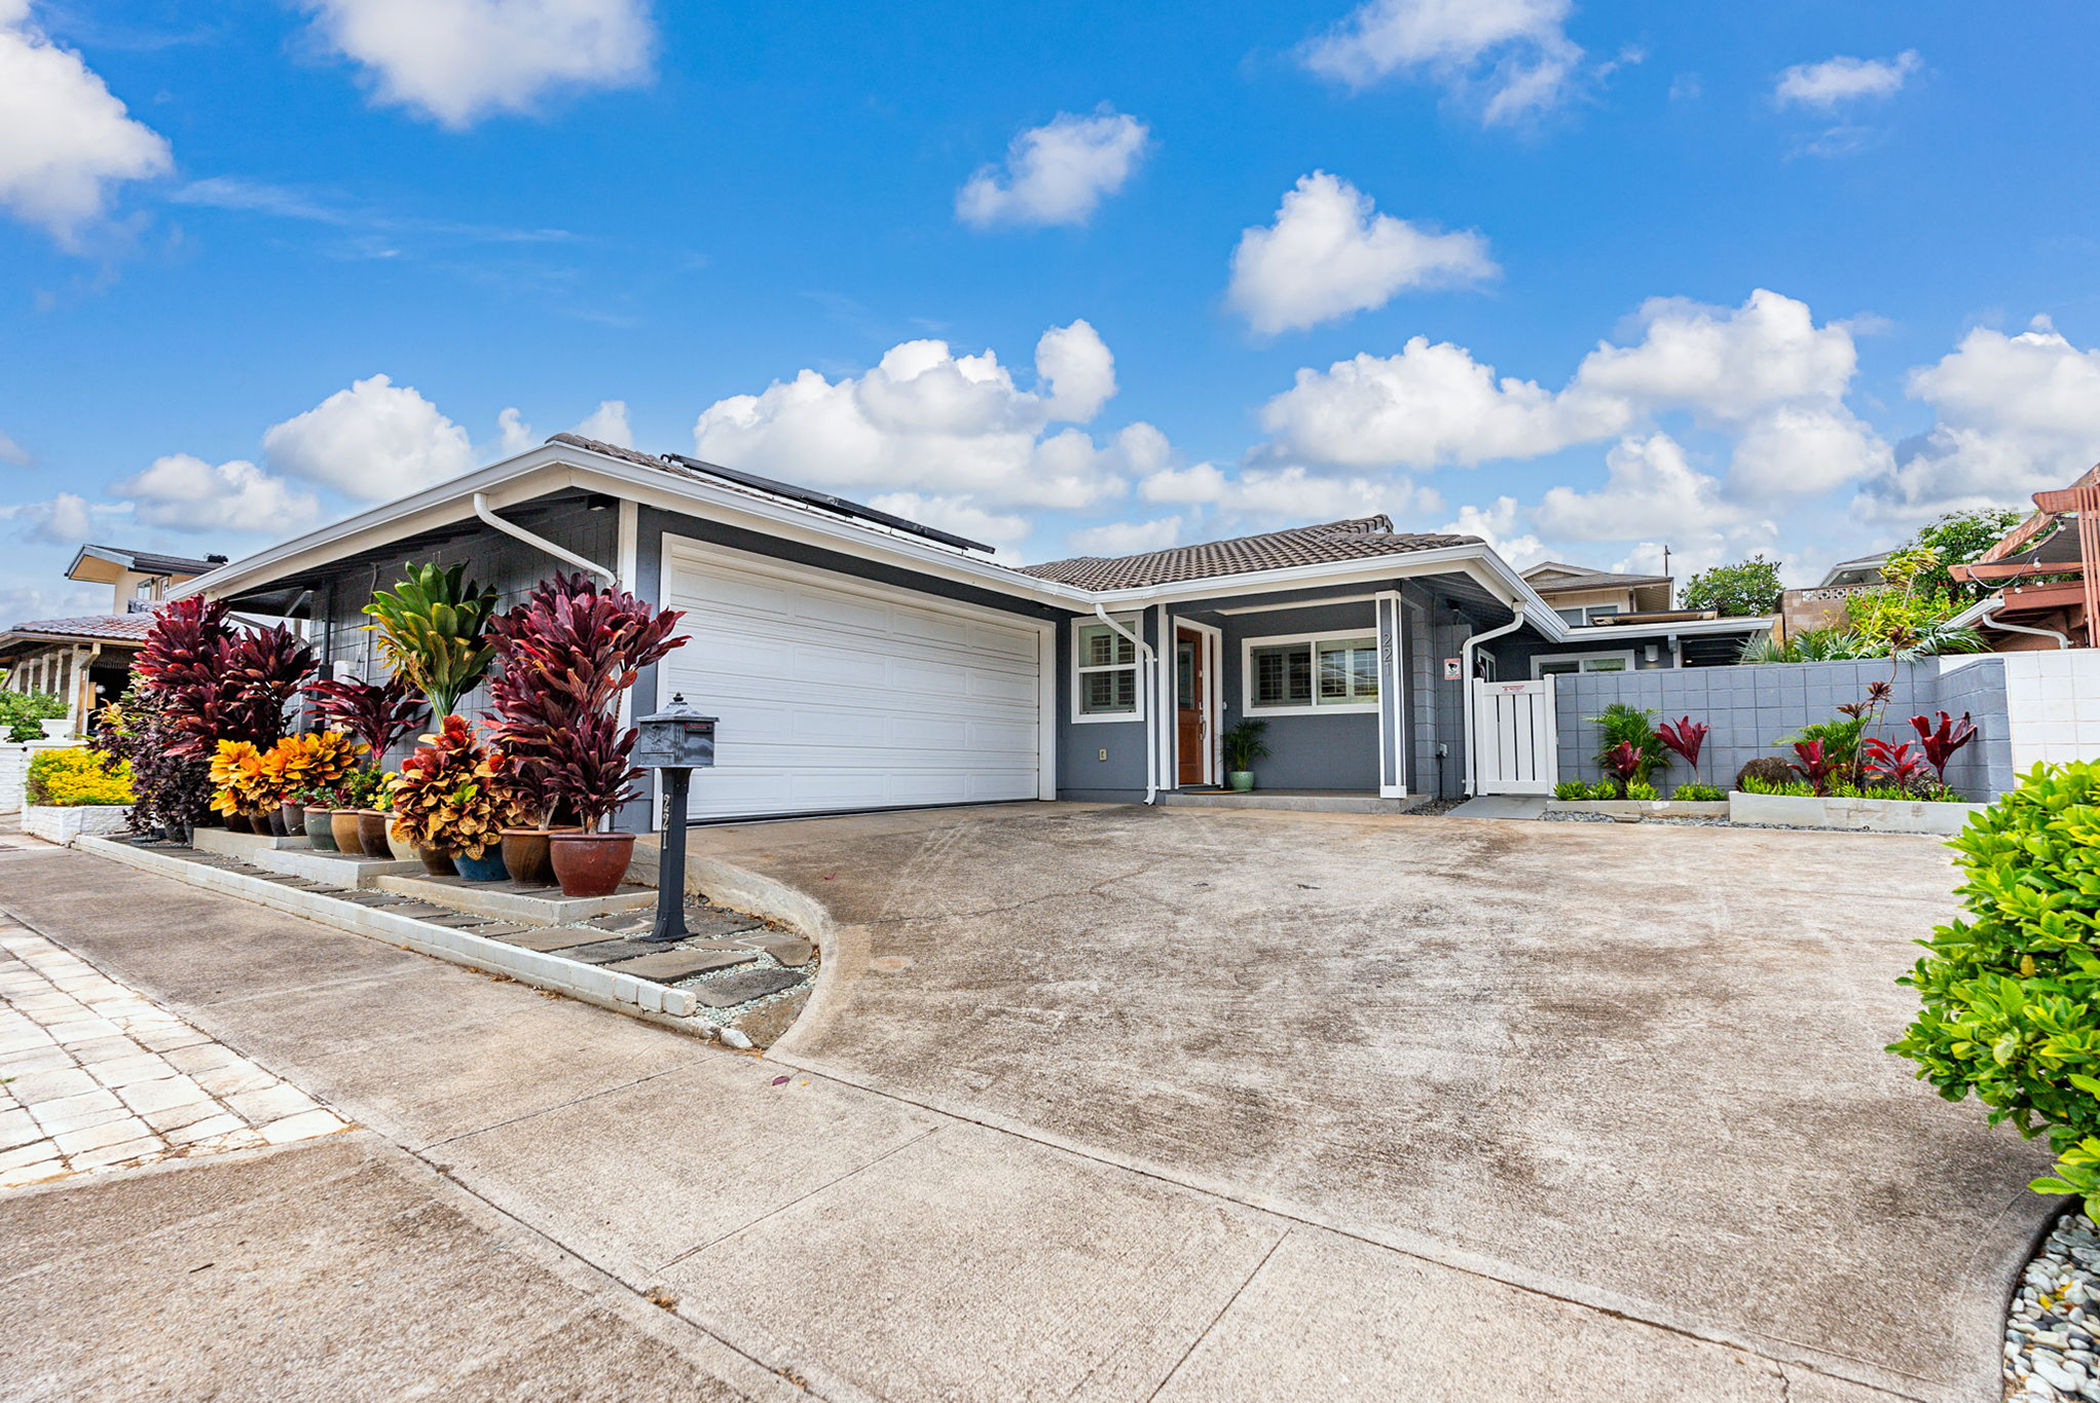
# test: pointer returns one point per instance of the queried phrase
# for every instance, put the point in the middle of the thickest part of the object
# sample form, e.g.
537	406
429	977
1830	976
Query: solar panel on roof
824	501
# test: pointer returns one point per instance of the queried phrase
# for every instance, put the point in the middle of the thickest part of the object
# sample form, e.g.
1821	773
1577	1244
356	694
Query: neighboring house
87	658
1588	601
1823	605
861	661
2048	593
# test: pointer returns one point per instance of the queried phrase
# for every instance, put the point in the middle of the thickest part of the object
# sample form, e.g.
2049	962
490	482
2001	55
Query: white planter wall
56	824
14	769
1862	815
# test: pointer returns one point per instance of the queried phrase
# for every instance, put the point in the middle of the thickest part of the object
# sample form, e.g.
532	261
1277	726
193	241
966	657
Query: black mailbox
676	738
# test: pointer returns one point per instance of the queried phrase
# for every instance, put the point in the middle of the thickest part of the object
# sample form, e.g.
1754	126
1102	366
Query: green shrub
2011	995
1640	789
1791	788
1571	789
1632	726
1699	794
68	778
21	713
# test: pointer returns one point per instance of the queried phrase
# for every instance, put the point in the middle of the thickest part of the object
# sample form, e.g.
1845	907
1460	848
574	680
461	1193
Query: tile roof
1360	538
1582	577
120	627
613	450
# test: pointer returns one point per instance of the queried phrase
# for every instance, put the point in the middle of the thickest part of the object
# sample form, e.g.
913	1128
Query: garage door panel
834	697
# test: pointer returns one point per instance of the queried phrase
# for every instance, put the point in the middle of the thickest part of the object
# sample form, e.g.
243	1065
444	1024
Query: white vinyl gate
1515	747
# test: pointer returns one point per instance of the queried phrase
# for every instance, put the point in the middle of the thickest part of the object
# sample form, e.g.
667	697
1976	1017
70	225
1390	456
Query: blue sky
1790	277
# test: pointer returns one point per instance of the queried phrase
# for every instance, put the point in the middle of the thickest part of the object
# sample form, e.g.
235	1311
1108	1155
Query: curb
623	993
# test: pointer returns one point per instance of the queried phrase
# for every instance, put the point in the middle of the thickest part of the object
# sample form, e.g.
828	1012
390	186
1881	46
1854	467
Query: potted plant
431	628
296	764
1243	745
380	715
353	796
239	787
173	790
402	849
568	652
454	796
318	803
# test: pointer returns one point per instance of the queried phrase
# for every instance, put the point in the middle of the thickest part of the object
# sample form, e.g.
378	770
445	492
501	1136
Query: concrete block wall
14	769
2054	703
1752	709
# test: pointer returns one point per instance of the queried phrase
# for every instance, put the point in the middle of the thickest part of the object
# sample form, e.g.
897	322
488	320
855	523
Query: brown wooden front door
1191	709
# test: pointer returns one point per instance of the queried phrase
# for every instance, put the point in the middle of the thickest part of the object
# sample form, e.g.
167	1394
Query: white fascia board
1741	623
555	466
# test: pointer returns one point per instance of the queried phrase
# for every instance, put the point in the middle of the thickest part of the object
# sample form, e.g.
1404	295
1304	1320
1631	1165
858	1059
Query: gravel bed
1717	823
2049	1350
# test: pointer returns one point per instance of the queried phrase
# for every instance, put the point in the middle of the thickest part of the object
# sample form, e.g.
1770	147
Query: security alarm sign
1453	670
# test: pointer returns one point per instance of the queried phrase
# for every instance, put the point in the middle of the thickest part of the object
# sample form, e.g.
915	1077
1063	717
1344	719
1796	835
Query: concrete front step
241	845
513	901
349	870
1307	801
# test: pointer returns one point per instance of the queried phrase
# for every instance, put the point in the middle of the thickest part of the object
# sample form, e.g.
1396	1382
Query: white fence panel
1516	750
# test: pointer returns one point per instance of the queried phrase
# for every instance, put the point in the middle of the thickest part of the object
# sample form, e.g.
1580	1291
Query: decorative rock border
2050	1350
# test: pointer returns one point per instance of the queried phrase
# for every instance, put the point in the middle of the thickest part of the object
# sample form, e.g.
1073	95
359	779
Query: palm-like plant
432	628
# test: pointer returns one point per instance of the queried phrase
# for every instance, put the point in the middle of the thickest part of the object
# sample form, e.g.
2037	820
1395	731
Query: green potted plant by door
1243	745
454	796
353	797
432	629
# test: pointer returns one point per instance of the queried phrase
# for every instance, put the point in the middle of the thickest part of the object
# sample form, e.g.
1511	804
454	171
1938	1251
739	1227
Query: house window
1104	672
1561	664
1325	672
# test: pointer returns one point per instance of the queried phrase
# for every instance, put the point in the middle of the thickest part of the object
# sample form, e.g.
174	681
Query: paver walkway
94	1076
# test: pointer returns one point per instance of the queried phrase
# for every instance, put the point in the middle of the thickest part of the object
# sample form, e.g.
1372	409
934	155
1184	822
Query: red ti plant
1624	761
377	715
1892	764
215	684
260	671
1941	743
1687	738
568	652
1815	766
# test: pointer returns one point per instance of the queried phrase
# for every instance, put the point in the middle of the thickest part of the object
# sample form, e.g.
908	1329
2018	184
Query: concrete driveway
1636	1069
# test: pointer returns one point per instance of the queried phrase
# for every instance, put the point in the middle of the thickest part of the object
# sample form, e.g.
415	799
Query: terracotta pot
590	864
320	828
525	854
238	823
294	819
486	868
401	848
371	831
343	824
437	862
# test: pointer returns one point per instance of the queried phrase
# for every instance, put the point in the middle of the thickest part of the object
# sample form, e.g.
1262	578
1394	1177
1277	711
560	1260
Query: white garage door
838	694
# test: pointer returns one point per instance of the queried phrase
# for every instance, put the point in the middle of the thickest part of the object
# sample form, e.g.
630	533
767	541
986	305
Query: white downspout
481	509
1990	618
1465	655
1145	656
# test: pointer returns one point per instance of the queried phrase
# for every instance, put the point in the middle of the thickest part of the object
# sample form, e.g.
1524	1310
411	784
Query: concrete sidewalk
853	1242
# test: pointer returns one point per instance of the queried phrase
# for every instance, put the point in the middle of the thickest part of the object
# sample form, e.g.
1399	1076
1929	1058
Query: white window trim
1247	647
1625	655
1136	624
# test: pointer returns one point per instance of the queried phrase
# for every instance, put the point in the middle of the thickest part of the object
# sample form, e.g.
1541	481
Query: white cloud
1430	404
68	519
25	603
1435	404
68	140
1512	57
1837	81
1798	450
929	421
1125	537
185	493
513	434
2015	415
1200	482
1500	525
13	453
458	61
1650	488
608	424
373	442
1328	255
1057	173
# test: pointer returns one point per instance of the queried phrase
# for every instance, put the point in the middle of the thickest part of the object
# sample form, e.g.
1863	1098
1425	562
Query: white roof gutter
1465	654
1144	671
1986	613
481	509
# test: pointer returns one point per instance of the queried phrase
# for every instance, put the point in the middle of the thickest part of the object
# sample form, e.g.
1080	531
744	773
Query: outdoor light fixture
677	741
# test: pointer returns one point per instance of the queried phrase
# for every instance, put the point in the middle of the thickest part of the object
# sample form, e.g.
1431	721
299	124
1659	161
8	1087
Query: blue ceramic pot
486	868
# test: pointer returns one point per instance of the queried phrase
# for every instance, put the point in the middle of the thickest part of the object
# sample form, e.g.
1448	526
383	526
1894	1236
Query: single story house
87	658
1822	605
861	661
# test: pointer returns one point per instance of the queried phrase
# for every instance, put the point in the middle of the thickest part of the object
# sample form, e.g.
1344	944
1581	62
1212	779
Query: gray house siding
1305	752
1100	761
1752	708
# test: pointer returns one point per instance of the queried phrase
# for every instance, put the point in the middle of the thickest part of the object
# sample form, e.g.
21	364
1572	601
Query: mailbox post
677	741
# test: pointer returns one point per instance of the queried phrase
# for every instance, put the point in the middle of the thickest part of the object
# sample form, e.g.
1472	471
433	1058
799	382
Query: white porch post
1392	677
